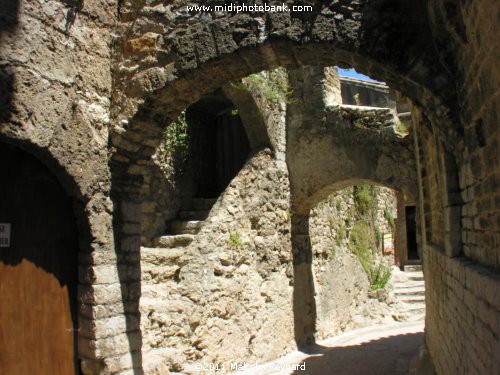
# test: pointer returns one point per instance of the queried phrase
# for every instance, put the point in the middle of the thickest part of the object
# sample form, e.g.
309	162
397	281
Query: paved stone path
379	350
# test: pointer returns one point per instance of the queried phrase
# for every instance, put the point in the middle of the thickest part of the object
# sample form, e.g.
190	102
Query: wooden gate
38	270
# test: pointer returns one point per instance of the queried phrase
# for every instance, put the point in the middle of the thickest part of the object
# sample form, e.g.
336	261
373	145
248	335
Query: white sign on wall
4	234
388	243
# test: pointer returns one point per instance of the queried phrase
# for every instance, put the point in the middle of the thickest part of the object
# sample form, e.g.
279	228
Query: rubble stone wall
341	283
220	300
88	87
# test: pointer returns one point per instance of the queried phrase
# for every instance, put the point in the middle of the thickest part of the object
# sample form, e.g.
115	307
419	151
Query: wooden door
38	272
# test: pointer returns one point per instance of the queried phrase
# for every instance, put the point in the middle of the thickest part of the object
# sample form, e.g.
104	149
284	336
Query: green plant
340	235
379	276
272	84
356	99
360	243
289	213
389	217
400	127
378	237
364	199
348	221
176	138
331	255
338	204
235	240
234	112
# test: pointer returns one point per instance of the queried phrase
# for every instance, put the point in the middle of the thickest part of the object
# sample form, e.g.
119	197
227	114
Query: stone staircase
409	291
187	224
163	261
160	269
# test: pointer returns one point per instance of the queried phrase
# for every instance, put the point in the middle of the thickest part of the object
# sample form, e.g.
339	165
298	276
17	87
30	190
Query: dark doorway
38	270
411	233
219	143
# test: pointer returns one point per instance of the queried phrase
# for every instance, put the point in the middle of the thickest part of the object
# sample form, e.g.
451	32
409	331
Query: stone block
123	363
101	294
110	346
106	327
131	211
101	274
130	244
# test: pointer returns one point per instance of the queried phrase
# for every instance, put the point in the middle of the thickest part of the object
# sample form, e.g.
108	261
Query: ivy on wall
365	238
176	138
273	85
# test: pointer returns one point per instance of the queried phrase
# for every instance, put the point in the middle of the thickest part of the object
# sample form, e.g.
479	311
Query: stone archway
164	69
161	73
334	146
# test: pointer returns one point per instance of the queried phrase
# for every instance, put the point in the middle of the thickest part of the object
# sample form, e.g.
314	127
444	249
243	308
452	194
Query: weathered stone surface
329	148
87	87
341	284
215	291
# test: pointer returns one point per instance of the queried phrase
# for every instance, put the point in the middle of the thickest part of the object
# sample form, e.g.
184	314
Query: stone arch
225	128
351	212
330	146
97	270
161	72
305	290
164	72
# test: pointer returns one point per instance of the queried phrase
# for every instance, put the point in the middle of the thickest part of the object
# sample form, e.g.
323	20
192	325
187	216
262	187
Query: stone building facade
88	87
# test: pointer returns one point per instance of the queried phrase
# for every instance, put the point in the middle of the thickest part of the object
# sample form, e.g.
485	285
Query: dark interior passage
38	271
411	233
219	144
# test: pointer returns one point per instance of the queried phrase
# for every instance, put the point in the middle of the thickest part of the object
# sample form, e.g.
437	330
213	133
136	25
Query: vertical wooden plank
36	328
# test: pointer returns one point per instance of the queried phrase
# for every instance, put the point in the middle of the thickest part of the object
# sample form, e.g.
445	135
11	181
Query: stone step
414	310
186	226
415	276
404	116
193	215
161	256
412	299
412	268
415	291
197	204
171	241
409	284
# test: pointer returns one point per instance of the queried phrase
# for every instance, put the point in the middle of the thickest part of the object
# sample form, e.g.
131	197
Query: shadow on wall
127	212
8	22
304	305
390	355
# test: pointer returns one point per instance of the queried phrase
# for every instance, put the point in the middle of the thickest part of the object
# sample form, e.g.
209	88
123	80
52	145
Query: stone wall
371	94
459	199
87	87
341	284
333	146
221	300
237	299
55	98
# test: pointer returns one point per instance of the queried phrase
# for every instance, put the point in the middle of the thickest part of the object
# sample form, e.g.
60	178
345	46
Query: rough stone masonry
88	87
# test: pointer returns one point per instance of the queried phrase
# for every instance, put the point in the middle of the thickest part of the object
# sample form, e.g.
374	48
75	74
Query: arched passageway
151	107
132	67
38	269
